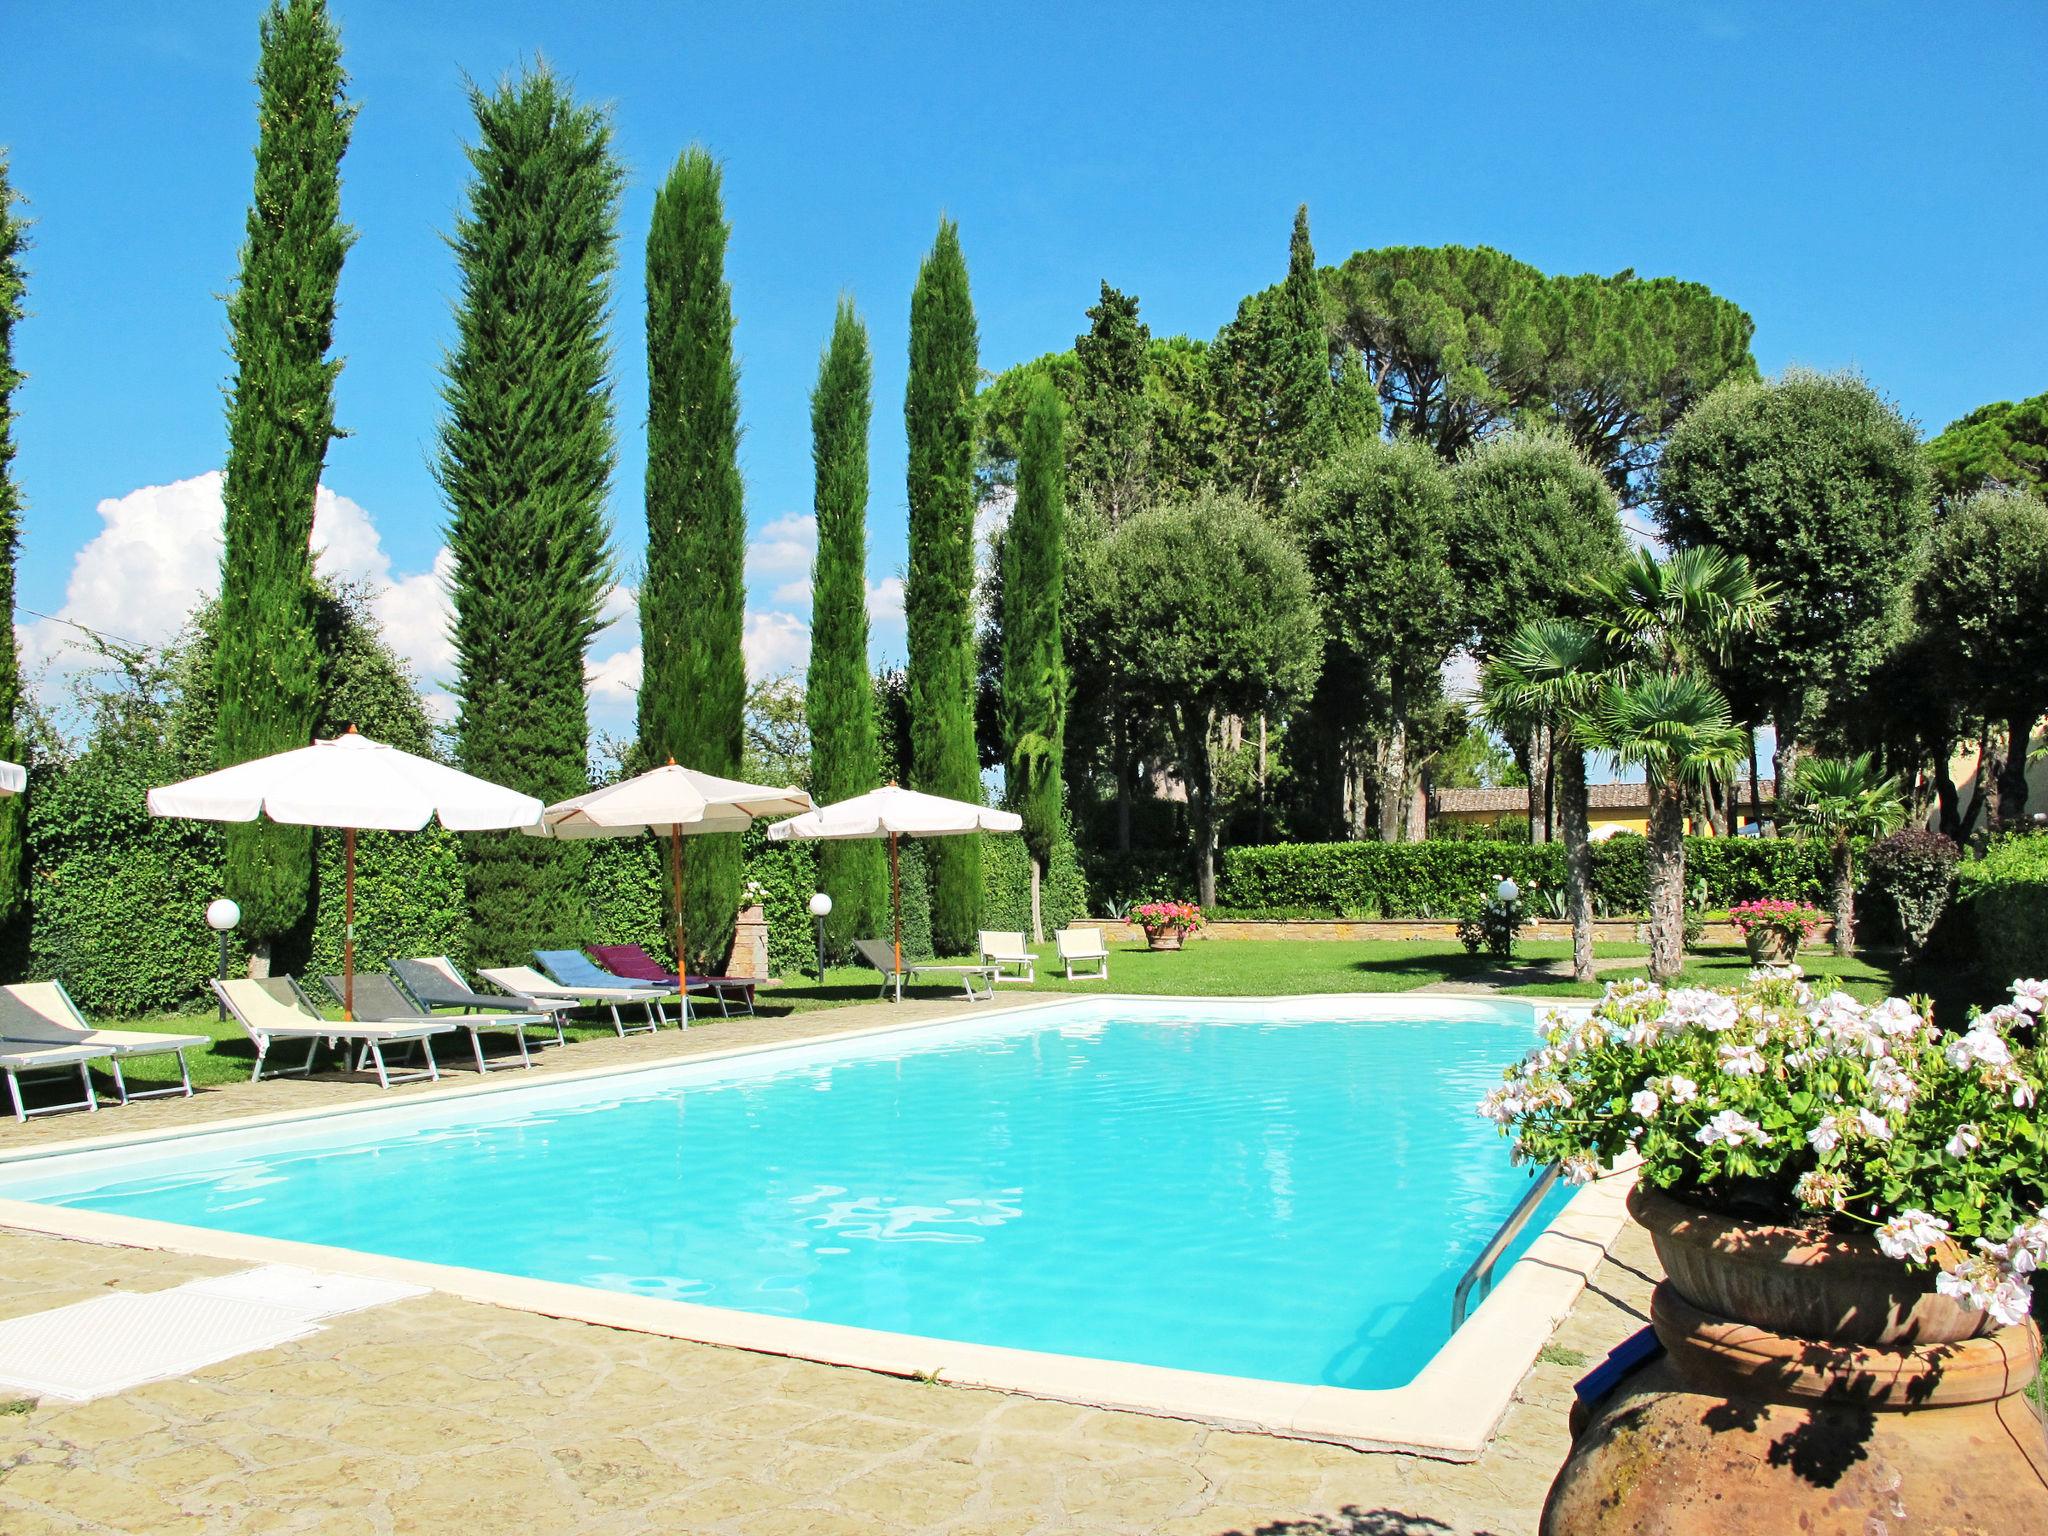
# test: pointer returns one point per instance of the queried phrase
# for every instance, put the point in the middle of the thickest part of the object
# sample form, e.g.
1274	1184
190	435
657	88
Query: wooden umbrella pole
348	922
675	873
896	899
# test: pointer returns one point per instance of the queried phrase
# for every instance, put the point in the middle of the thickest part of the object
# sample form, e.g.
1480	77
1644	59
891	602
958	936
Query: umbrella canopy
896	813
893	812
349	782
673	803
13	778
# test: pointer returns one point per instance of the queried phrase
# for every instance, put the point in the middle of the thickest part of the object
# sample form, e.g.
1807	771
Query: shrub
1913	876
1492	925
2005	894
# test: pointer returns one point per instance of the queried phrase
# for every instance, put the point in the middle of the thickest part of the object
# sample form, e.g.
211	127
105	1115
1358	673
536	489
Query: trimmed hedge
2003	898
1436	879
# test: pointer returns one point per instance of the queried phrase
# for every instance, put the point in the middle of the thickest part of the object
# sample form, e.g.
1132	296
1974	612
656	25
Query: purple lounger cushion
633	962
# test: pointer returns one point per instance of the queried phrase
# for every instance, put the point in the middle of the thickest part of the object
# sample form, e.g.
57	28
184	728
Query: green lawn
1206	968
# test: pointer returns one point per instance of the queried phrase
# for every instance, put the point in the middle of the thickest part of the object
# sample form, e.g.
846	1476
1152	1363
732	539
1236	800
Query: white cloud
885	600
775	642
792	594
784	546
613	679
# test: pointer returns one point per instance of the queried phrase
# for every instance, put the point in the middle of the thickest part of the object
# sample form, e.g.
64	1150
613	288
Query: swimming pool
1281	1189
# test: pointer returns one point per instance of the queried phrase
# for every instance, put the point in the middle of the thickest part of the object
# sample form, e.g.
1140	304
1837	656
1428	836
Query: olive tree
1211	603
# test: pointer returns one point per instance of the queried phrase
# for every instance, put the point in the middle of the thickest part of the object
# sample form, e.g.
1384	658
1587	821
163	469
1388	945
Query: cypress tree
1283	404
938	593
525	461
839	695
693	600
280	417
1112	459
13	286
1034	666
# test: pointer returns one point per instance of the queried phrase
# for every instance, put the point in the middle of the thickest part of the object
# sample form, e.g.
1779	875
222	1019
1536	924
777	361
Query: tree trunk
2012	773
1538	773
1120	753
1665	857
259	960
1949	799
1393	781
1202	805
1262	776
1358	799
1845	895
1578	855
1756	787
1784	762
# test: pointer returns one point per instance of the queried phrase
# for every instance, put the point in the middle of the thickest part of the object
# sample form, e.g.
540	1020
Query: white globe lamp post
821	904
221	917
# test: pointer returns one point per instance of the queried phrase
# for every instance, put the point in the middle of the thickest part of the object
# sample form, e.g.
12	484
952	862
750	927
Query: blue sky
1862	179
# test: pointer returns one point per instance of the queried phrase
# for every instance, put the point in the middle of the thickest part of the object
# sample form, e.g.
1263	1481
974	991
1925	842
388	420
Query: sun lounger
1008	949
632	962
280	1010
573	968
1083	946
42	1013
380	1000
883	958
18	1059
436	983
526	981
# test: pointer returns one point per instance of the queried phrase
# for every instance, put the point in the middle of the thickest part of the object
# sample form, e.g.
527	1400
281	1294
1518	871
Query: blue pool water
1284	1189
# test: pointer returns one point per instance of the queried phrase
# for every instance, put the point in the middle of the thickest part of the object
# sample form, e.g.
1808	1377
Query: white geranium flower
1734	1128
1873	1125
1643	1104
2029	995
1581	1168
1826	1136
1741	1060
1911	1235
1964	1142
1683	1090
1821	1189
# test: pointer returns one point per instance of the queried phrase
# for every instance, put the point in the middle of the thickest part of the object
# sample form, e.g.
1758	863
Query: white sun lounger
267	1019
883	958
16	1059
527	982
1003	950
1081	946
42	1013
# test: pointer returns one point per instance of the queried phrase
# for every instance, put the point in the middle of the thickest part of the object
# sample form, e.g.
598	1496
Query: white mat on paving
115	1342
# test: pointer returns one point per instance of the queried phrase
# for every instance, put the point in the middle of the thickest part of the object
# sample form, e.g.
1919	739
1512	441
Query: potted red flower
1774	929
1167	923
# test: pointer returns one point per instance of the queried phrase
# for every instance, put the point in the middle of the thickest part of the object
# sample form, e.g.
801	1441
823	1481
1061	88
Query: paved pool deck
443	1415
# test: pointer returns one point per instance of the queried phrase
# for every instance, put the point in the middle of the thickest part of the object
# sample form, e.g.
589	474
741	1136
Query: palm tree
1842	798
1681	613
1676	728
1549	674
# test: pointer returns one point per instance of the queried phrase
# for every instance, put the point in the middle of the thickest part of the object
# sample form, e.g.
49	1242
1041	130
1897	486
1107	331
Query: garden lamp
221	917
820	905
1507	891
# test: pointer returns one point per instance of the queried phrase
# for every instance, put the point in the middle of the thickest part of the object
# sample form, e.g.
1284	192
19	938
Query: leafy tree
778	749
1375	523
1822	486
1839	799
525	461
1979	602
13	744
1034	667
1547	676
1461	341
693	598
1186	409
1112	459
2003	444
840	698
1675	728
1215	606
280	417
938	595
1279	397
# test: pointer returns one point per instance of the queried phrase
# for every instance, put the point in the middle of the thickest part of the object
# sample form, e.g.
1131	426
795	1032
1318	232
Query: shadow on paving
1353	1521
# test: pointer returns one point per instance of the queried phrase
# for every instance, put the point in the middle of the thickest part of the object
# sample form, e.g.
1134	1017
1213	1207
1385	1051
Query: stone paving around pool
449	1416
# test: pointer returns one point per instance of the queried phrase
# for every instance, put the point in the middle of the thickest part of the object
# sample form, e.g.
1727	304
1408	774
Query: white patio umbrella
13	778
674	803
896	813
348	782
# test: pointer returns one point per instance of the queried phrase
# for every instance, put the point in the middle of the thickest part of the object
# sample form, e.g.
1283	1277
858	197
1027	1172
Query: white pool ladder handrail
1481	1272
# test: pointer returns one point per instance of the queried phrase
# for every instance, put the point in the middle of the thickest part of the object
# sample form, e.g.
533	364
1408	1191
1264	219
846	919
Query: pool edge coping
1449	1411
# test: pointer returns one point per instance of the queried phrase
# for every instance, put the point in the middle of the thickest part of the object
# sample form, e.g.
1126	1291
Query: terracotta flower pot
1164	938
1808	1384
1772	946
1800	1280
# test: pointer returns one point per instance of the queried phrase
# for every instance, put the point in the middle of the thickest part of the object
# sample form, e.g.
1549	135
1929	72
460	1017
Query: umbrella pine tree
280	417
693	600
938	593
1034	665
839	695
525	461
